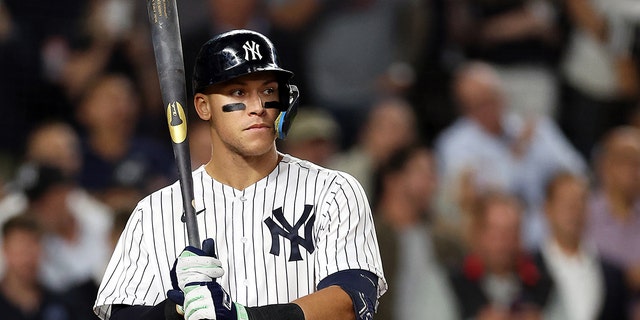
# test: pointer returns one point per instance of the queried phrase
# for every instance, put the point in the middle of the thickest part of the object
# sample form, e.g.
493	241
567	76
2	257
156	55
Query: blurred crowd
498	142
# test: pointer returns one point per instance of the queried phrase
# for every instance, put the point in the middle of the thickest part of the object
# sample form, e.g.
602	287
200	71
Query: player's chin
254	152
259	146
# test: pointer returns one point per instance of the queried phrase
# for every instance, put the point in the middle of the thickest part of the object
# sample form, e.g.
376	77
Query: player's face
242	113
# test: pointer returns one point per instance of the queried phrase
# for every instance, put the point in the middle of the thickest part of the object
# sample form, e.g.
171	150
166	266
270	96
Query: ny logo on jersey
287	231
251	47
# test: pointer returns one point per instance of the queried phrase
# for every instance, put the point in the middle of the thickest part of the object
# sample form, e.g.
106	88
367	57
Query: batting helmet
240	52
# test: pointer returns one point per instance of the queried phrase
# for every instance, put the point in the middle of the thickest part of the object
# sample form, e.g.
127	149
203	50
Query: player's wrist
172	311
241	312
286	311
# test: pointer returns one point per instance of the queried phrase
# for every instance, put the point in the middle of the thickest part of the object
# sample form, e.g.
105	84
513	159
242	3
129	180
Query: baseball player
284	238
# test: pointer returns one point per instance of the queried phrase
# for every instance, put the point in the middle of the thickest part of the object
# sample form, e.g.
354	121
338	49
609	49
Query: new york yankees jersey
276	239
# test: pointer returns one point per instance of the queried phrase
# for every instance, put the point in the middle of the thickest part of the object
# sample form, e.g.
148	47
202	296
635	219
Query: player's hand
199	294
195	265
208	301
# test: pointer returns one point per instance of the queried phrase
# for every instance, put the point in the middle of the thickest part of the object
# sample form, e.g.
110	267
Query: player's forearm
329	303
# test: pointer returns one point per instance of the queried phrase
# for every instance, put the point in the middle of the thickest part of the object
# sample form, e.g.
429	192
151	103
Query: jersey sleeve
129	278
346	237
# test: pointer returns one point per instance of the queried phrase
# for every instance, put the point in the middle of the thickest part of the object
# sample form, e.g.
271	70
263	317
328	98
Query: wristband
288	311
172	311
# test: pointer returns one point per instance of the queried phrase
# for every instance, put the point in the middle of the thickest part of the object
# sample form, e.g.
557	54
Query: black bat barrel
167	47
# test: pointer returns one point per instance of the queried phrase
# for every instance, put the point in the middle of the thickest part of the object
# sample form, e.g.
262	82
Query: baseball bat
167	47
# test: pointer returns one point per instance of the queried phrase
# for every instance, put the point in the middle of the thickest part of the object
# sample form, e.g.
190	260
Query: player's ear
202	106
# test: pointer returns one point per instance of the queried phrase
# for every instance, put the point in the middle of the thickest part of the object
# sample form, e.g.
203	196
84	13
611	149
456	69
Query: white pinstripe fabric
343	237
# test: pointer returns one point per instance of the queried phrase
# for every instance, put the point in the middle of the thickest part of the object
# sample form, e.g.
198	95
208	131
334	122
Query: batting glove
194	265
194	287
208	301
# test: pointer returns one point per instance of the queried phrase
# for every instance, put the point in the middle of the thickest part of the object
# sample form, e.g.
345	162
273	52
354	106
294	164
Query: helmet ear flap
285	118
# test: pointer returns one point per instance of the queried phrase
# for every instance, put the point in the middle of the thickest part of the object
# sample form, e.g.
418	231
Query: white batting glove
193	268
195	265
198	303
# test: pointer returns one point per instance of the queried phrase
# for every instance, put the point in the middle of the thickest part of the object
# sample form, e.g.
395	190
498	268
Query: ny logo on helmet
251	47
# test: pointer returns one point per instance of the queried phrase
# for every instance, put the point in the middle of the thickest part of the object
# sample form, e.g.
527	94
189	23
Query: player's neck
240	172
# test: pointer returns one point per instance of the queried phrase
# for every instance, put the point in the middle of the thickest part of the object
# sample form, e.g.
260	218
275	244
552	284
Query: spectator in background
614	207
93	48
490	147
76	230
600	74
119	165
112	36
348	56
47	20
498	279
389	126
586	285
74	41
18	64
416	250
39	32
314	136
22	295
441	49
101	36
522	40
291	23
83	295
55	143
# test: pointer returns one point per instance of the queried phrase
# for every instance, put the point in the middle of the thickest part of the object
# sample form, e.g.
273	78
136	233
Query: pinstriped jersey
276	238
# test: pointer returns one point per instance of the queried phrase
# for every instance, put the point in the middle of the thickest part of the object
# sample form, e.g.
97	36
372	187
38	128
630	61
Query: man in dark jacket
586	285
498	280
